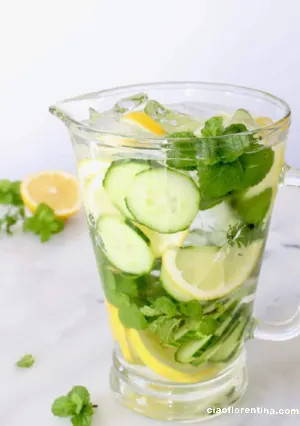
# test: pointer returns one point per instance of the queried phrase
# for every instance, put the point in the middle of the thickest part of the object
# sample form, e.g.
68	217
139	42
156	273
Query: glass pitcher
178	182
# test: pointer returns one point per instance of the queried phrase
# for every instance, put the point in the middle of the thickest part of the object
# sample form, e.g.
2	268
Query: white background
59	48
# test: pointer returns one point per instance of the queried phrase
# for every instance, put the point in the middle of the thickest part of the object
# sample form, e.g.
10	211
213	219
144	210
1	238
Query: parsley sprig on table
76	405
43	222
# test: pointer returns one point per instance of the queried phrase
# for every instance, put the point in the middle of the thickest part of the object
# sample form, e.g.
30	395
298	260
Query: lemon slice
60	190
95	199
161	360
161	242
263	121
205	273
92	167
119	333
144	122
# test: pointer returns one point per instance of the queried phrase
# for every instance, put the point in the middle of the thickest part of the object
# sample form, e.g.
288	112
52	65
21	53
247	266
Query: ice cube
171	120
131	103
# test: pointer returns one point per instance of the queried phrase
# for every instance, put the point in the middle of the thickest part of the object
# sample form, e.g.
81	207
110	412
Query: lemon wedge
144	122
119	333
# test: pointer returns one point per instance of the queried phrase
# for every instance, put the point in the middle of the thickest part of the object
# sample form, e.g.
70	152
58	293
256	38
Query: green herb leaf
213	127
253	210
191	309
10	192
164	305
182	151
217	181
242	234
43	223
132	317
76	404
80	396
256	162
63	407
165	327
26	361
84	418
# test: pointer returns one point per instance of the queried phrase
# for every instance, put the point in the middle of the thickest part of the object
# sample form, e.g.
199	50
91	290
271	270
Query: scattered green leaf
43	223
26	361
76	404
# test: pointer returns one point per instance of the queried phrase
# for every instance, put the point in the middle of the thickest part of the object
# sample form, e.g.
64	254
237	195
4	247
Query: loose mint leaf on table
84	418
10	192
26	361
43	223
63	407
253	210
76	404
80	397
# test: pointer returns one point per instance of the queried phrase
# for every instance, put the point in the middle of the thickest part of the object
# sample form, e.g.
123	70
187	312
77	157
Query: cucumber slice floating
118	180
125	246
164	200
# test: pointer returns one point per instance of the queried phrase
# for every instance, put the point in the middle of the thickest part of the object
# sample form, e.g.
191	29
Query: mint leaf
165	328
80	396
26	361
164	305
182	151
149	311
84	418
242	234
63	407
253	210
43	223
256	162
76	404
127	285
191	309
132	317
213	127
216	181
10	192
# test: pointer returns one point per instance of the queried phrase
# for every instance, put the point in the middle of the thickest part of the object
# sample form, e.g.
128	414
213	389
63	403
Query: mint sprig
26	361
77	405
43	223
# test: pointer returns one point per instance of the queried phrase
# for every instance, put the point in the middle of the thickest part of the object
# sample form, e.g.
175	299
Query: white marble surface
50	306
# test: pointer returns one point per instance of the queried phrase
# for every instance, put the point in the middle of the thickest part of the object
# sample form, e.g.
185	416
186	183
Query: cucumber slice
118	180
164	200
186	351
228	346
125	246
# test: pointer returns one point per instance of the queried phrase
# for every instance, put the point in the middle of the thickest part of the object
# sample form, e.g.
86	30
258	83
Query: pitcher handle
288	329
